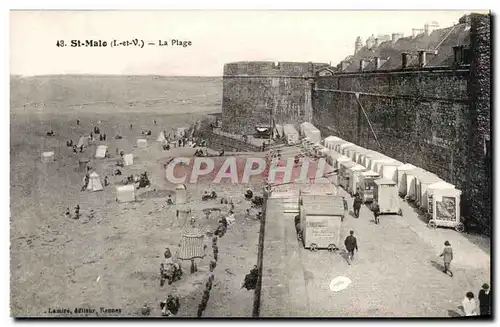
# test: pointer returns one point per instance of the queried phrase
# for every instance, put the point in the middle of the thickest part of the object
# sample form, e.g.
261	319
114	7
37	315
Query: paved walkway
396	273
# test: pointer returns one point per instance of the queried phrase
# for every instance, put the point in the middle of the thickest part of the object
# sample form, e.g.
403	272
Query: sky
217	37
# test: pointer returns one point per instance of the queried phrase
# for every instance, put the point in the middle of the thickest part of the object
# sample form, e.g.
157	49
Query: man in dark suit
485	300
351	244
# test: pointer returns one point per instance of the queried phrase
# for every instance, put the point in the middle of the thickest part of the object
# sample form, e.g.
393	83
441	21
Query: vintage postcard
269	164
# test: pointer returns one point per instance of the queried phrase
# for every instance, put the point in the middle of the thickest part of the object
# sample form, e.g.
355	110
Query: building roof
443	40
325	205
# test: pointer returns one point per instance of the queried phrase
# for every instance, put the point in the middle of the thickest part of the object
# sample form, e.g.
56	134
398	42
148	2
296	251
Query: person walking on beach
376	211
484	298
351	244
216	252
356	206
447	255
346	209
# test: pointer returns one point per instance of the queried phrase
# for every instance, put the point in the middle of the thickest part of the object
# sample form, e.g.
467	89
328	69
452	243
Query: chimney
361	65
377	62
458	54
377	42
416	31
422	58
430	27
404	60
467	22
343	65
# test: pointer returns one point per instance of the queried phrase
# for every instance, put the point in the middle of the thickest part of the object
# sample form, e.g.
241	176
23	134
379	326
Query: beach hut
180	194
358	154
101	151
411	180
128	159
389	169
353	174
333	158
161	137
349	151
333	144
142	143
320	221
341	146
310	131
125	193
84	140
444	206
366	159
370	159
343	174
324	152
291	135
192	244
385	193
278	131
329	141
377	160
94	182
367	184
424	180
82	164
48	156
402	188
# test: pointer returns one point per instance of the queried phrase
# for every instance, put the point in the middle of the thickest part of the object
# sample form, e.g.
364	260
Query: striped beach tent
192	244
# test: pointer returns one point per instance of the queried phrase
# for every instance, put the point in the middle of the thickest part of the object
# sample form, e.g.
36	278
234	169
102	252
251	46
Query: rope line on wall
393	96
368	119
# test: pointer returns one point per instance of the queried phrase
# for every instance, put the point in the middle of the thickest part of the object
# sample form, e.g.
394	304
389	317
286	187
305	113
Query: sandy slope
55	261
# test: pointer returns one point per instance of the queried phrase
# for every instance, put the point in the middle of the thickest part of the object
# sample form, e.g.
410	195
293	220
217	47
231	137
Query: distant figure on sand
145	311
86	182
106	183
68	214
169	200
356	206
78	121
130	126
77	212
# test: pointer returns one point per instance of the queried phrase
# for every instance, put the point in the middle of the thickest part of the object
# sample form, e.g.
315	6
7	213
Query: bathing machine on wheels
320	221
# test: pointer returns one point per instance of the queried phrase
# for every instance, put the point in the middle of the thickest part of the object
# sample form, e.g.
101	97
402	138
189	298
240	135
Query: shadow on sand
454	314
481	241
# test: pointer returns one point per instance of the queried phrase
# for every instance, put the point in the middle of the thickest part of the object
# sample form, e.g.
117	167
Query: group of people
356	207
77	212
470	305
208	196
206	296
170	306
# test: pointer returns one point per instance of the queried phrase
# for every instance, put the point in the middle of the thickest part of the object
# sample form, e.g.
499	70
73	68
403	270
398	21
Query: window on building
467	56
487	146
